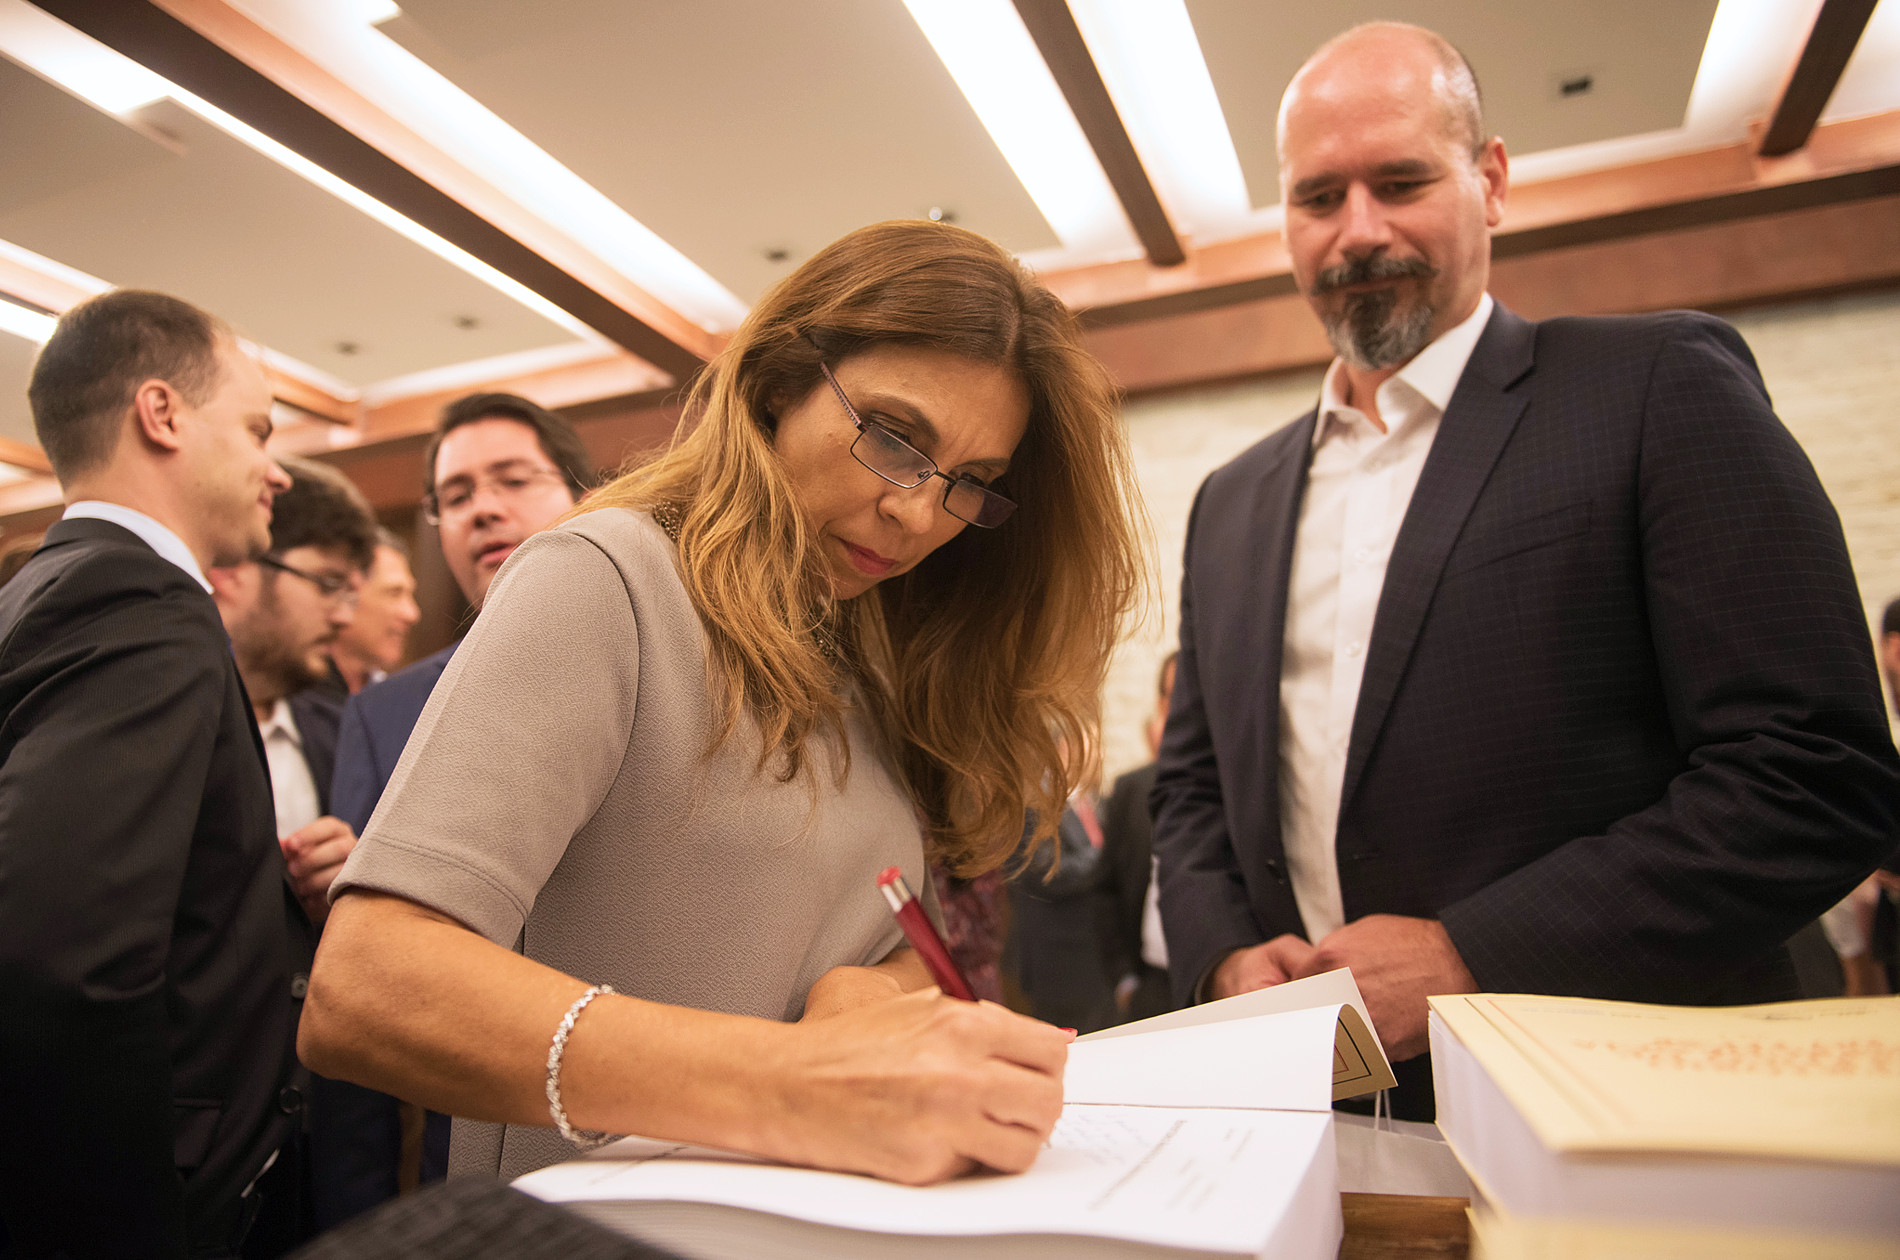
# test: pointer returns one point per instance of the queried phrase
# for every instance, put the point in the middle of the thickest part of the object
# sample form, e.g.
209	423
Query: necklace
669	518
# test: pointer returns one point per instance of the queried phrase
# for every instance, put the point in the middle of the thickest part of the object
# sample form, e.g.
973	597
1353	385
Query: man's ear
234	588
156	408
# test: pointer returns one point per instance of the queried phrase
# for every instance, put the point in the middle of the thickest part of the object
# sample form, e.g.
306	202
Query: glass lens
970	502
890	457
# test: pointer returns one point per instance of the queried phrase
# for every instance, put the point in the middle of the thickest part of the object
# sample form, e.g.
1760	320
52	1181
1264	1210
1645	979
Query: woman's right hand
917	1089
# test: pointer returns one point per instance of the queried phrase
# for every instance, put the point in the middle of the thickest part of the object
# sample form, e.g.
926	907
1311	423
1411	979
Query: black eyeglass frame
990	501
329	585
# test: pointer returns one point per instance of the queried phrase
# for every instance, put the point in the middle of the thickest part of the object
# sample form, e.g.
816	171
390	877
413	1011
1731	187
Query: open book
1778	1116
1195	1139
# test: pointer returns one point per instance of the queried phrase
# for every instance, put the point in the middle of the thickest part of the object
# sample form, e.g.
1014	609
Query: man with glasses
499	469
283	612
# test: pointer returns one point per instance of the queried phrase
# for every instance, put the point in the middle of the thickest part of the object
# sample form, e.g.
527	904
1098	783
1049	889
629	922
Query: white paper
1210	1179
1282	1061
1331	988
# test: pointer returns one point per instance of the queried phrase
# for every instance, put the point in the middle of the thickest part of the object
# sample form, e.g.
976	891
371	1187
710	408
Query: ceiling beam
1843	161
211	49
1775	258
24	455
1837	31
1065	52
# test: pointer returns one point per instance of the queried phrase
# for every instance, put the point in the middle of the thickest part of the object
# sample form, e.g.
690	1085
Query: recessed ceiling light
989	53
23	321
1151	63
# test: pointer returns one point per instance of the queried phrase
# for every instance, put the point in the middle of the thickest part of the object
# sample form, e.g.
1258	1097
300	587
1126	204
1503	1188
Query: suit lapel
1275	522
1479	421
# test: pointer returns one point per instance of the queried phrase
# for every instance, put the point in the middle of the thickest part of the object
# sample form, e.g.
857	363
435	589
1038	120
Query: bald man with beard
1530	659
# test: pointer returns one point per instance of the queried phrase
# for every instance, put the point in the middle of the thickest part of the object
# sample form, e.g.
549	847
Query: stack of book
1614	1128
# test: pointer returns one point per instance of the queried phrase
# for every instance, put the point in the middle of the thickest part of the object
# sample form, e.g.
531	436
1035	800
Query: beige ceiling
1641	56
216	223
731	128
734	127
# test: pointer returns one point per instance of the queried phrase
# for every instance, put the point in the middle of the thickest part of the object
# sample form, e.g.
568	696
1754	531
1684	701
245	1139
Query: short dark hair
322	509
556	436
100	353
1890	620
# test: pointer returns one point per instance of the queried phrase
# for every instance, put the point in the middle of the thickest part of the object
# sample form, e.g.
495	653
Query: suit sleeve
100	791
1787	794
355	786
1205	913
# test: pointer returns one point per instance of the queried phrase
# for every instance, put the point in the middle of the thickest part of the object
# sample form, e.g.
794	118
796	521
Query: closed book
1779	1117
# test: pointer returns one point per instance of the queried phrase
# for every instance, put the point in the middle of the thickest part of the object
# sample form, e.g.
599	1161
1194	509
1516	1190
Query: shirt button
1363	555
290	1100
1355	648
299	985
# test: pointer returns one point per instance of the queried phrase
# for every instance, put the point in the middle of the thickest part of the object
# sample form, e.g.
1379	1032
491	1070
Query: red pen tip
889	876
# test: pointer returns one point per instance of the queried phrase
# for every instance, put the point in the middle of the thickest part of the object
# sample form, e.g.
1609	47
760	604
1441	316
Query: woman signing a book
623	880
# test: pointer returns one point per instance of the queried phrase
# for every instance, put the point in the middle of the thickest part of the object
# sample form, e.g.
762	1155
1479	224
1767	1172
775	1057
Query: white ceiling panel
733	128
1641	58
220	225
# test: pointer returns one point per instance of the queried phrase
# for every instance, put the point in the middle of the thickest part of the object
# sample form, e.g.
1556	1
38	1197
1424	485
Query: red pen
922	935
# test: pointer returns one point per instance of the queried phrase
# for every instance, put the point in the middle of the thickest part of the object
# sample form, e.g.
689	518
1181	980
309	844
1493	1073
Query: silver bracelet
586	1139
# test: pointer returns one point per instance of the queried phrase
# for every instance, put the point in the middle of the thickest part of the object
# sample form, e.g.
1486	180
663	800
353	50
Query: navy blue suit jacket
1619	730
376	725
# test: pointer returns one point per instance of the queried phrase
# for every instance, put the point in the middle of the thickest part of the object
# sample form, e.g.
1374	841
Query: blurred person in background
1127	909
373	644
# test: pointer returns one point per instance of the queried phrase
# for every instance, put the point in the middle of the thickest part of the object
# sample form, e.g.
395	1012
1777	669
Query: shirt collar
156	536
280	722
1432	374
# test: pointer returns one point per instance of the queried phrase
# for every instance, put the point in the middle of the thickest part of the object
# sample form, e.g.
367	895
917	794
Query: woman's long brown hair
981	661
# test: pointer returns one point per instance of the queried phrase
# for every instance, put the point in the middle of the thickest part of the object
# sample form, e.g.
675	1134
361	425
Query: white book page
1220	1181
1280	1062
1331	988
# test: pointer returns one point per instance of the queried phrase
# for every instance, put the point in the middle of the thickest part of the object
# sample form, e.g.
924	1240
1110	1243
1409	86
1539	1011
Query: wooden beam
213	50
1801	253
24	455
1837	31
1844	161
1065	52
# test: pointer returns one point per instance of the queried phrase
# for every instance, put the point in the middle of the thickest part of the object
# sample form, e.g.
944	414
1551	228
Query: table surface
1403	1227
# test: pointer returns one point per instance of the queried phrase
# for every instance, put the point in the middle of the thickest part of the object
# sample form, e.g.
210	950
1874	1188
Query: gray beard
1371	336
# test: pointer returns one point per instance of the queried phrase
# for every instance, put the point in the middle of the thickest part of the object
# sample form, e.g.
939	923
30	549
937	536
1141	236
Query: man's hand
1398	962
1286	957
315	853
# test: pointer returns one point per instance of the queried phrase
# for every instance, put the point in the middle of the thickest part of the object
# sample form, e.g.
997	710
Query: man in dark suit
149	929
498	469
1532	659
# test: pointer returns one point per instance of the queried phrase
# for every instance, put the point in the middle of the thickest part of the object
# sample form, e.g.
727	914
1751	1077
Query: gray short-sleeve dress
556	797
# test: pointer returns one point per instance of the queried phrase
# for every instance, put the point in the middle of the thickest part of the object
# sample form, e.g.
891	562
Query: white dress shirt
293	789
156	536
1357	491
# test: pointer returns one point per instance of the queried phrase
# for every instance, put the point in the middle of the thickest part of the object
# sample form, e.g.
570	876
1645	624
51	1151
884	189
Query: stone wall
1832	365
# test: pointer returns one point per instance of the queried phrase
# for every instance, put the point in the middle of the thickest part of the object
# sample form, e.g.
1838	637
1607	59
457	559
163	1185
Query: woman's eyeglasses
902	464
